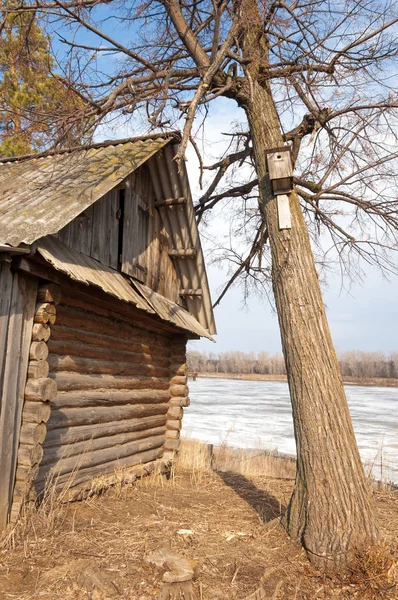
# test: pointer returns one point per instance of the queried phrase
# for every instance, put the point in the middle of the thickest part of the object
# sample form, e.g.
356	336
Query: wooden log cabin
102	282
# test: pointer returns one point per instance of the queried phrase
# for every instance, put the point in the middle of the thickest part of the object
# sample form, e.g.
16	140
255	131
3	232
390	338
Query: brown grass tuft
198	457
374	570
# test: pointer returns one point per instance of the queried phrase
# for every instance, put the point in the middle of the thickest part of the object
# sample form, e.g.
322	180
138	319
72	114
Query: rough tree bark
331	510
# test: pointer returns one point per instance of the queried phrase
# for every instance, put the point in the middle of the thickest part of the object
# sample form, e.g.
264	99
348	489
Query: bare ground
225	520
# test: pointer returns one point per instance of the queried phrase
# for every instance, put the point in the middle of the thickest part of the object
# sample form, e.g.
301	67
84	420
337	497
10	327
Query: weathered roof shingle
39	196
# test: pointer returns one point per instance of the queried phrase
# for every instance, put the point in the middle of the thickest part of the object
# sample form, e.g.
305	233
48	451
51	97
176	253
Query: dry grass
375	571
226	519
197	458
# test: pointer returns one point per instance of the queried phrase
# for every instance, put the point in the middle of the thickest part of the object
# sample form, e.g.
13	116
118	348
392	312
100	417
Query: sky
362	315
365	318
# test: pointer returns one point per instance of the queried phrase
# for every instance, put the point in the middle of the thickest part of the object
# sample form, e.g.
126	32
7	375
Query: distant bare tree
357	364
368	364
318	77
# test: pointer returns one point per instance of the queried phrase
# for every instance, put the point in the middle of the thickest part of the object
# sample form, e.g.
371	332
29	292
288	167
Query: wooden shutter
135	231
105	235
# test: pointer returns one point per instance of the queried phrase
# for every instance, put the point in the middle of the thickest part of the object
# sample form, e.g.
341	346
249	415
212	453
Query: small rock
185	532
178	568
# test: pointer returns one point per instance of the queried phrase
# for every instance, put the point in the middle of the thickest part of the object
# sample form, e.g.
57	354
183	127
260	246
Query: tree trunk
331	510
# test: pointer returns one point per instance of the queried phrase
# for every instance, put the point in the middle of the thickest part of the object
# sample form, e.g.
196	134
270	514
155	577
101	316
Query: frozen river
257	414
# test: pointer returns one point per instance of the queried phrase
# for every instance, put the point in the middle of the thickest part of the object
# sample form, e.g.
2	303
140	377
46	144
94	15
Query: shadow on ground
264	503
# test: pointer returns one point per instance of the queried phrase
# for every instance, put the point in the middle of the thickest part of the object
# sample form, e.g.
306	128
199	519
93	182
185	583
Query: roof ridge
166	134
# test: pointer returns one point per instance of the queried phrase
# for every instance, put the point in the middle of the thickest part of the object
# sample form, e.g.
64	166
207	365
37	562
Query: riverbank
363	381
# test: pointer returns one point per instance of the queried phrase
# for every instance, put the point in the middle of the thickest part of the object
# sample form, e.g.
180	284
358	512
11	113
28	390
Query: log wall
113	393
39	391
178	395
101	393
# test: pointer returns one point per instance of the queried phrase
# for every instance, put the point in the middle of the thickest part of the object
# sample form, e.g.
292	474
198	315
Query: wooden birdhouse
280	170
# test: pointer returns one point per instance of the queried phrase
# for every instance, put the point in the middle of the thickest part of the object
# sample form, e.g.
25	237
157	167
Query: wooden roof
89	271
39	195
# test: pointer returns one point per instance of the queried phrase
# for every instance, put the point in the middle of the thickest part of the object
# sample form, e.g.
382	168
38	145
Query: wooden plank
94	323
99	231
185	253
84	236
284	215
114	229
75	364
170	202
12	250
165	238
171	278
141	254
130	219
192	273
190	292
6	279
82	349
109	398
154	273
202	309
9	396
162	275
105	230
136	227
78	233
29	288
20	326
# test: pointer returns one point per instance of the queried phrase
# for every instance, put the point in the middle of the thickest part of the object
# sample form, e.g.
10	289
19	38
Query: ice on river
257	414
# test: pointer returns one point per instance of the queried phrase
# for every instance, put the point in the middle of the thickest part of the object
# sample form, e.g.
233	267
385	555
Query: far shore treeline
352	364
